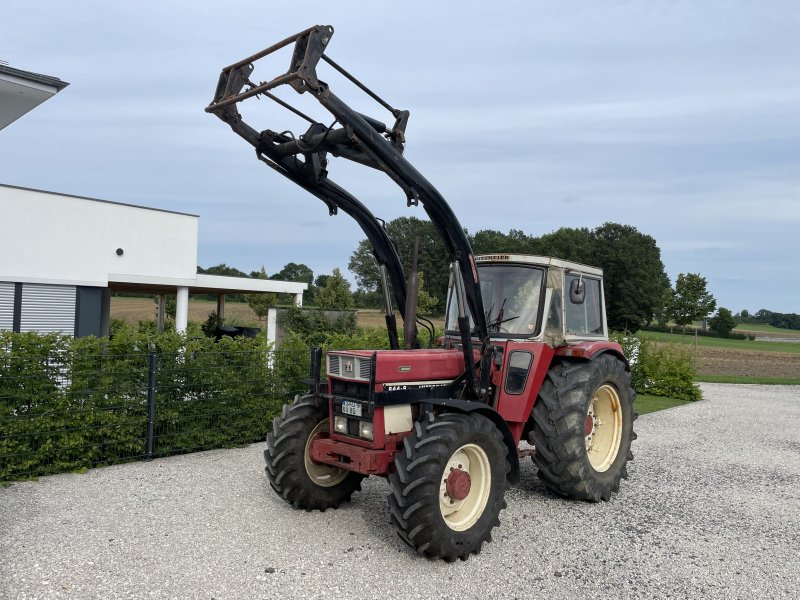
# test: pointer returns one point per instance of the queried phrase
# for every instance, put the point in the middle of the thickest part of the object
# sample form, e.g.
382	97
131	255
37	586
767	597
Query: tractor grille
356	368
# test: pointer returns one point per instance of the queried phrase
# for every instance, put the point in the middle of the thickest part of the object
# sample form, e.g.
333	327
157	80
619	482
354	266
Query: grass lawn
646	404
711	342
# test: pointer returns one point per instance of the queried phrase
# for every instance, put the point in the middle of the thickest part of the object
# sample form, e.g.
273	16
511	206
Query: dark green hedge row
68	404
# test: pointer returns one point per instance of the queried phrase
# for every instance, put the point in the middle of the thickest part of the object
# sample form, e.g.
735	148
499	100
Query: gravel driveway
712	510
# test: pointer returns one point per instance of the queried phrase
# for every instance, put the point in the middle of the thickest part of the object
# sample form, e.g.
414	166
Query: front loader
525	355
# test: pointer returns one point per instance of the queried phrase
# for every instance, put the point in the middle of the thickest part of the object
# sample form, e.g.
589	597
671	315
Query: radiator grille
333	364
352	368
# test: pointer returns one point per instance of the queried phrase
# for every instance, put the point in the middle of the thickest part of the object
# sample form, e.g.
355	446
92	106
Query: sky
680	118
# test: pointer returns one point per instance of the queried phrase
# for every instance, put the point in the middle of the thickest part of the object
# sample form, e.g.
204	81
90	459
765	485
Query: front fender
463	406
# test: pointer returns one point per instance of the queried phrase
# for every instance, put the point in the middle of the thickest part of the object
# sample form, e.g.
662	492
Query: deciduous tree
723	322
261	302
336	293
692	301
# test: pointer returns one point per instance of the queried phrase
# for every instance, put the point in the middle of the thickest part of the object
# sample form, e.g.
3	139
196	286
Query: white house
61	256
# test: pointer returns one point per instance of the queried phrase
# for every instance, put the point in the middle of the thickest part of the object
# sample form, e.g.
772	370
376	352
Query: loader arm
364	140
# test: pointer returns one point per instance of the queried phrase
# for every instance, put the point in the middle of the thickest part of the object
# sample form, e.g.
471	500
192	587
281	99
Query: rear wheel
449	485
583	428
292	473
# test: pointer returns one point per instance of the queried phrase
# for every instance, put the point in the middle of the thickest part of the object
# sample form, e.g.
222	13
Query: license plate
351	408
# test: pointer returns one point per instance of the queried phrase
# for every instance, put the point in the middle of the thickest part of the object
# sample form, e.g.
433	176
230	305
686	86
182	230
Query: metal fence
67	411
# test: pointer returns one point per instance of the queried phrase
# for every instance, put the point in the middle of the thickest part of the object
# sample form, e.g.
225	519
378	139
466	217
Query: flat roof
202	284
34	77
27	189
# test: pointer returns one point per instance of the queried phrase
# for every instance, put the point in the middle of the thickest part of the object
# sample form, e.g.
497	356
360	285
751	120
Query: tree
692	300
634	278
426	304
295	272
579	245
432	257
723	322
336	293
489	241
222	269
261	302
321	281
663	310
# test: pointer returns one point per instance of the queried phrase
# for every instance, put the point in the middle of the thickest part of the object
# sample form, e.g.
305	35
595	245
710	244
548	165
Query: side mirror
577	291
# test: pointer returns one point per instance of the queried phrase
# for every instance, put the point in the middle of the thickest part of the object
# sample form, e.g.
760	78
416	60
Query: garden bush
660	369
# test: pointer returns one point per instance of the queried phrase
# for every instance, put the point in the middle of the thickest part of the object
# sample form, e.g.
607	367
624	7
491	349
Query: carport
217	285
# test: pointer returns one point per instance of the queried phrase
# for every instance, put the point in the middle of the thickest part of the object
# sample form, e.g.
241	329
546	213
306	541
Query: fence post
151	402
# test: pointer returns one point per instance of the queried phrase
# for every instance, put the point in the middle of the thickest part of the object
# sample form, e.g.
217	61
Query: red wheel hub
589	425
458	484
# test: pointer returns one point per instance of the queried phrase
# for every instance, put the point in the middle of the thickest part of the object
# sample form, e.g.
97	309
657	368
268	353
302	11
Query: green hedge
68	404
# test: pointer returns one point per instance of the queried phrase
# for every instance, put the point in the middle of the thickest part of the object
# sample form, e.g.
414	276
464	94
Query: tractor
524	357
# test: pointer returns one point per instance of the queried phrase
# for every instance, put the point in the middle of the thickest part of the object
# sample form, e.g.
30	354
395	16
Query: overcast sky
680	118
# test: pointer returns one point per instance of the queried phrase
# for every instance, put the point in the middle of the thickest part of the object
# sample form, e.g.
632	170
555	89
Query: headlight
365	430
340	425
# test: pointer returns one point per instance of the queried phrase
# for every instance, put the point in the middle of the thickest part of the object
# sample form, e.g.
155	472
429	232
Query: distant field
133	310
767	331
739	360
701	341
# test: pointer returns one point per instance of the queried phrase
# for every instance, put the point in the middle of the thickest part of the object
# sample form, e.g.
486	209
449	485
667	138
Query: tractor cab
537	298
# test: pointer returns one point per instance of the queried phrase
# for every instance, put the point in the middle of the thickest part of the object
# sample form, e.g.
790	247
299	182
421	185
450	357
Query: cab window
585	318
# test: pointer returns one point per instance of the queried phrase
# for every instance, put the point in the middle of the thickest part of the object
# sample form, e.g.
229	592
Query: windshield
511	297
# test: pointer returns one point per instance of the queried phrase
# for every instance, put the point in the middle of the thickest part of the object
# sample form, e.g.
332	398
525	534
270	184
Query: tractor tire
449	485
291	472
583	428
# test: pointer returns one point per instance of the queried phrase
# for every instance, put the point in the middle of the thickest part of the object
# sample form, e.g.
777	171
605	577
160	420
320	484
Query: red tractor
525	354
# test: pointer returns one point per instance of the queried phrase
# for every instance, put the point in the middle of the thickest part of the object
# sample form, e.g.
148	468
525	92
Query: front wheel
299	480
583	428
449	485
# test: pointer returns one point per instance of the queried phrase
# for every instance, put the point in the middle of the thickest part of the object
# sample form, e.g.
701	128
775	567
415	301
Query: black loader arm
361	139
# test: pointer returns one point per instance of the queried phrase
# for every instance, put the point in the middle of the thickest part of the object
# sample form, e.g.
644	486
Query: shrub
315	327
660	370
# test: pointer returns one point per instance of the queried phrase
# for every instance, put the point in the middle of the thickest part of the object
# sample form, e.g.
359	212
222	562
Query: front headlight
340	425
365	430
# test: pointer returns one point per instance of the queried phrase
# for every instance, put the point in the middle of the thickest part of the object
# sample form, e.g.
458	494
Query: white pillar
298	299
272	326
221	307
182	309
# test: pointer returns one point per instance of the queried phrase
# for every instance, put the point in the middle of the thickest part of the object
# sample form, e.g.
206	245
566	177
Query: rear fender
591	350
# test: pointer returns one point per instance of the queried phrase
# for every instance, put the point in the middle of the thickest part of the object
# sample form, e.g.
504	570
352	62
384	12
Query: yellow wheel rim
603	428
322	475
469	463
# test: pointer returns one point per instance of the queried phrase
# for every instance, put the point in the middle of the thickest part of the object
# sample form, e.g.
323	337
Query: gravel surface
712	510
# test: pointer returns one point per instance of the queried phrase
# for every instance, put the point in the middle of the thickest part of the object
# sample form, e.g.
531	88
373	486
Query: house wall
60	239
